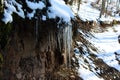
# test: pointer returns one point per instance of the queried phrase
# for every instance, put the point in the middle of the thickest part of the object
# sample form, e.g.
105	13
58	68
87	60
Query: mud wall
32	52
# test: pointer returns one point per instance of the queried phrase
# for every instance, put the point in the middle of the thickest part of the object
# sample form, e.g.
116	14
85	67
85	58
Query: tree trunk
103	8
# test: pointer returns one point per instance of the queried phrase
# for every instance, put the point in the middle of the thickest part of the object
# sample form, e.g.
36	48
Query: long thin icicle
67	40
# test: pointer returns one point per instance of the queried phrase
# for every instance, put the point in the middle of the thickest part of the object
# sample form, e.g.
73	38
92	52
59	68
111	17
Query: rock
19	75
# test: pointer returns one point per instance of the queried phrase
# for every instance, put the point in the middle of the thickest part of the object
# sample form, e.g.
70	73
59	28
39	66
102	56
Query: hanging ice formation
66	40
50	9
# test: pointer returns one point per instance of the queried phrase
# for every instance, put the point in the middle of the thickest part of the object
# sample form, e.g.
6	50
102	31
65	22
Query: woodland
60	40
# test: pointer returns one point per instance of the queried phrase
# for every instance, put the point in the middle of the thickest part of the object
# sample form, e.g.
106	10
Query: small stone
72	76
19	75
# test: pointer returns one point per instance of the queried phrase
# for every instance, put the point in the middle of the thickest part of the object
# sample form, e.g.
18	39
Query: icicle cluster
42	11
66	39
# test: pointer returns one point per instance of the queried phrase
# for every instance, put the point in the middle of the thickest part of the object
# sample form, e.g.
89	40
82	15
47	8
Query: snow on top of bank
10	8
60	9
35	5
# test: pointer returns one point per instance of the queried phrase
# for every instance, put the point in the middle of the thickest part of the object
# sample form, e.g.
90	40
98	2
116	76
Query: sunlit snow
86	74
35	5
60	9
107	43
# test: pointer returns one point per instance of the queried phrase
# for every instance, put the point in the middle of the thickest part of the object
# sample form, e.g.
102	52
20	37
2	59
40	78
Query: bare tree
79	2
118	4
103	8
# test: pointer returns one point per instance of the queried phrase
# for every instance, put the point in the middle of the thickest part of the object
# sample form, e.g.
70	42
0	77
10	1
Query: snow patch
35	5
86	74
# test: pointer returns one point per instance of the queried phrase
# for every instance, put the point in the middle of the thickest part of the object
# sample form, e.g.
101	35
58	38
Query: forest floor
102	61
99	55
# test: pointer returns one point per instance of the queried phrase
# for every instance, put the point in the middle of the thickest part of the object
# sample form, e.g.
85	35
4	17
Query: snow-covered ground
87	12
107	43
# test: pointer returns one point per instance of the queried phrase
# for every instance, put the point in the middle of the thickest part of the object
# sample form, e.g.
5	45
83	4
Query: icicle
67	41
65	45
59	38
65	37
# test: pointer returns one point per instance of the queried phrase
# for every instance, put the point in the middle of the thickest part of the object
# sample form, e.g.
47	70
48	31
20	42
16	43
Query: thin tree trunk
103	8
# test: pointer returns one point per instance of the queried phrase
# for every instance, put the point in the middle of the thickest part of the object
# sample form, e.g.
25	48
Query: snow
107	43
44	18
89	13
20	12
76	51
87	69
35	5
60	9
86	74
108	19
7	17
7	13
10	9
31	15
86	12
84	70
